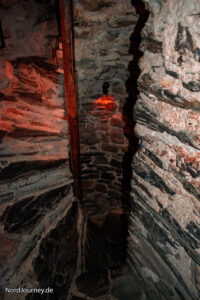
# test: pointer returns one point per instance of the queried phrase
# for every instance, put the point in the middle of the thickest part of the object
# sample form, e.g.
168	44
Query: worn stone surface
164	224
45	241
35	178
55	266
24	26
103	144
35	175
93	284
105	245
102	40
114	284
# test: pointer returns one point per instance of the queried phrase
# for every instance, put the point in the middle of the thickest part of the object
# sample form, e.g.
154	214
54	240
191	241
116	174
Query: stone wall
102	41
40	227
164	227
35	180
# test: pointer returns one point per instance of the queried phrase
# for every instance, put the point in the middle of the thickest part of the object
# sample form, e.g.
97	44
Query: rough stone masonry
36	198
164	245
39	225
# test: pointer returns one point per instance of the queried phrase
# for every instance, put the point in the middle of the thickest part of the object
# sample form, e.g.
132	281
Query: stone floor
114	284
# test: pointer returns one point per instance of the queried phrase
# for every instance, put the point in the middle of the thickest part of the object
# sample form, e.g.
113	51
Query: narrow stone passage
107	147
135	235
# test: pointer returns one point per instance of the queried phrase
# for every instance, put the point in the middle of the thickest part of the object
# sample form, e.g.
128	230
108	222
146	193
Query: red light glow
106	102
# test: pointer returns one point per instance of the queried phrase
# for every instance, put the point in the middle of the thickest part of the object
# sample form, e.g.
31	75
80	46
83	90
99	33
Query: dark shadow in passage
128	109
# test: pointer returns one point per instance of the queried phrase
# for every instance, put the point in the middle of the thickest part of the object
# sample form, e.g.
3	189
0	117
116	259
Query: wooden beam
66	24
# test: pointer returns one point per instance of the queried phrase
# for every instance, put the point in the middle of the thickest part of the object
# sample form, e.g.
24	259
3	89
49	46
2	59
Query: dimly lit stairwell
47	241
40	227
103	143
40	224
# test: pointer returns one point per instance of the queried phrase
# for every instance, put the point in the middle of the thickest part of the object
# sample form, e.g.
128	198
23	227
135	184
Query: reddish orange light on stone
106	102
